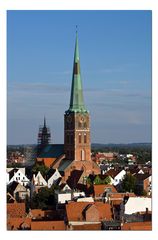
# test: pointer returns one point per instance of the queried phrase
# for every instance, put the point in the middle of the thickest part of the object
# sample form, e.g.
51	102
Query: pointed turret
44	135
76	100
44	122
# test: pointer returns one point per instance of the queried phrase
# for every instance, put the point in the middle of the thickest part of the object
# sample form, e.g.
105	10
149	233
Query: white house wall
53	178
137	204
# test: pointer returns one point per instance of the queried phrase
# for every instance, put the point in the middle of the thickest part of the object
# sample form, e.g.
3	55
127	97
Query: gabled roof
99	189
135	171
142	177
113	173
14	185
52	151
75	210
64	164
12	172
73	179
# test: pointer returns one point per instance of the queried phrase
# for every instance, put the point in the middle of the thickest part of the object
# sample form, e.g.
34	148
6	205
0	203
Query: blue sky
115	56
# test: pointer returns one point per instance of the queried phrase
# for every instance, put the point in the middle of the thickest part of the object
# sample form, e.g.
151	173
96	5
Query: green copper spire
76	100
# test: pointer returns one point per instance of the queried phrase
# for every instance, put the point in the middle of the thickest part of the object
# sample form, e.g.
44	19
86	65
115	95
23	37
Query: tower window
79	138
85	138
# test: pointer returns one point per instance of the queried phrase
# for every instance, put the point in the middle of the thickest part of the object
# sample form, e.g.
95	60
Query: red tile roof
48	225
96	226
16	209
76	210
99	189
137	226
16	223
36	213
113	173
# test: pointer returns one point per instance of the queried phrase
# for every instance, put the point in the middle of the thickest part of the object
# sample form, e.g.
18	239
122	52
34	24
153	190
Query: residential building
18	191
17	175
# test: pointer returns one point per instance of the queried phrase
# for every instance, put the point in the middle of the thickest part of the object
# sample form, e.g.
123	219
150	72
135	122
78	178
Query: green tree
40	167
97	180
129	183
107	180
44	198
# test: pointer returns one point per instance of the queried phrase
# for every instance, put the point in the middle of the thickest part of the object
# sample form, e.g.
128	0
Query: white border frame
77	5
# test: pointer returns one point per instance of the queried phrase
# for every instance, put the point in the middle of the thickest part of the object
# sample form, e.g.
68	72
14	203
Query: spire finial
44	121
76	28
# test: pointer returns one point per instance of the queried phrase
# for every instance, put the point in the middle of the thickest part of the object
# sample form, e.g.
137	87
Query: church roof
52	151
76	100
64	164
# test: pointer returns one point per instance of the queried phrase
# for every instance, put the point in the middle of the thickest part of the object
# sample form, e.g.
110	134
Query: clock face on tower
82	119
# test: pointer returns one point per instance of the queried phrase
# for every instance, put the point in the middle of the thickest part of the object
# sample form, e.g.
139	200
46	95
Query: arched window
82	155
79	138
85	138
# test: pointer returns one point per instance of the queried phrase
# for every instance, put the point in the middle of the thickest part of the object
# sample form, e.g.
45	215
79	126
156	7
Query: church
75	154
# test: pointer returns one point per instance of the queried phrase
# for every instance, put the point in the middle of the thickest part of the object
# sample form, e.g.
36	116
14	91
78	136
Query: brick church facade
77	144
76	152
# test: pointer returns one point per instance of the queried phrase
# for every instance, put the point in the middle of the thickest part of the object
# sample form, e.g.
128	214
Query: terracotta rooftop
16	209
48	225
76	210
17	223
113	173
99	189
137	226
94	226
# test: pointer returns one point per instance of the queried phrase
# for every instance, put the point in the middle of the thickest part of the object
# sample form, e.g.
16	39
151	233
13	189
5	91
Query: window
85	138
79	140
82	155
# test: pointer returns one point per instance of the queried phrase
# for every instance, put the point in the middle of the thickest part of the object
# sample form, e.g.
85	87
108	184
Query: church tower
43	136
76	119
